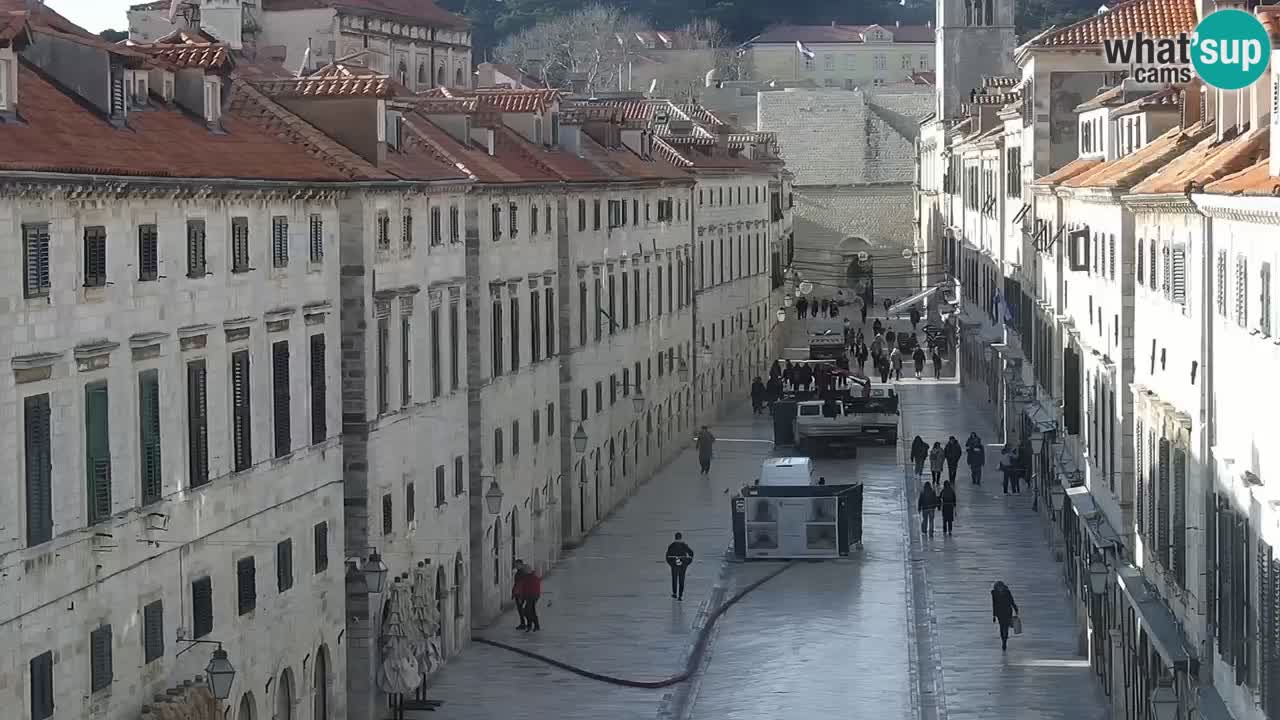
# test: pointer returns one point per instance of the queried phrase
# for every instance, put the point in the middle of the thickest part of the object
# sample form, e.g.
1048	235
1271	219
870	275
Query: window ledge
35	361
238	323
278	314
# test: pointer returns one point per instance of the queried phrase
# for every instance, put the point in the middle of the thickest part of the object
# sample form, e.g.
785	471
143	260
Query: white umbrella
399	670
426	620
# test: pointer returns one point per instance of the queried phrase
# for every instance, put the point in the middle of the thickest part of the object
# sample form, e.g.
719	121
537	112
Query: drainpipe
1208	434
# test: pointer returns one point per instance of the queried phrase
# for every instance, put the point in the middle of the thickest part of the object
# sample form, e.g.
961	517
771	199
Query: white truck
827	424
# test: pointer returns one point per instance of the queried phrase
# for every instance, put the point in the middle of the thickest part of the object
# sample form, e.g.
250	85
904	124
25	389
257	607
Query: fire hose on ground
695	657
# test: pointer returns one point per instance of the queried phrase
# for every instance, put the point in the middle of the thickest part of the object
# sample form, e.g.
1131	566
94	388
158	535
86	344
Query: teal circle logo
1230	49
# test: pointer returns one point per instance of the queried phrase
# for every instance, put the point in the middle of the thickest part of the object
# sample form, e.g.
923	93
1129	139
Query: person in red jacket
528	590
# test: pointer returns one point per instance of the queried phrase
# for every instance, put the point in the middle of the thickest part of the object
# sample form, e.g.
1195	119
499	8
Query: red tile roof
508	164
43	15
131	57
924	77
1068	171
13	24
507	100
1207	162
1154	18
1136	166
1166	99
817	34
61	135
425	11
184	50
335	80
1256	180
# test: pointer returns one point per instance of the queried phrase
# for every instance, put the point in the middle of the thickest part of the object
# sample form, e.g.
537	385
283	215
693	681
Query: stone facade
845	56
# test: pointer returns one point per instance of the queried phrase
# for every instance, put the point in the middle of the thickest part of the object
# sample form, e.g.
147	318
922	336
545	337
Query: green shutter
97	451
201	607
280	402
100	658
284	564
149	432
42	686
319	405
321	531
38	469
246	585
153	631
241	435
197	423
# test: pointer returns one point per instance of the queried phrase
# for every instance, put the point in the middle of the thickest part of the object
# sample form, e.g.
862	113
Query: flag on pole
306	58
800	48
173	10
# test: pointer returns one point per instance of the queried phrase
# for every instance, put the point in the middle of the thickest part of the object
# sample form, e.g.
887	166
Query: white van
789	471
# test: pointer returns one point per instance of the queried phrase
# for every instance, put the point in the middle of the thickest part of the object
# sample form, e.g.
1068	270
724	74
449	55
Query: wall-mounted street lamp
492	496
369	576
1098	576
782	315
682	370
638	400
580	439
222	674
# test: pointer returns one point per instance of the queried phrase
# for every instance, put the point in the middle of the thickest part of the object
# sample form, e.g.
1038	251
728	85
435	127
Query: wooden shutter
201	607
549	322
1179	471
148	253
437	372
241	418
1242	290
1140	477
97	451
515	332
239	244
321	549
38	467
246	585
1153	484
1178	273
42	686
100	666
406	358
95	256
284	564
197	424
411	502
316	237
281	406
1164	507
149	434
196	263
387	520
440	485
319	399
153	631
35	240
458	488
535	326
1270	671
279	241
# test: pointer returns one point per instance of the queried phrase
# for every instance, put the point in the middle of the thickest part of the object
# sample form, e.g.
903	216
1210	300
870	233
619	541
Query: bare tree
586	50
729	61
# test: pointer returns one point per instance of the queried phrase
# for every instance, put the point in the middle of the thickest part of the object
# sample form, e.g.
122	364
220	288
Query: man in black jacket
952	453
679	555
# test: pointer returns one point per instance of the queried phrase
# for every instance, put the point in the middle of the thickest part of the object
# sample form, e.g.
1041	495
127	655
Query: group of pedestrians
825	307
885	351
526	589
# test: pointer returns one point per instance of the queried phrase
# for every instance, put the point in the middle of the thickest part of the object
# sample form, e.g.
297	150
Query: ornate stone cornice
1259	216
1166	203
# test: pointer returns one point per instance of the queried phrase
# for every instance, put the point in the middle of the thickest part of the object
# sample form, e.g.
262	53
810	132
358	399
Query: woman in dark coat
915	317
757	395
947	501
918	358
919	454
789	375
775	370
937	364
977	455
1003	611
860	352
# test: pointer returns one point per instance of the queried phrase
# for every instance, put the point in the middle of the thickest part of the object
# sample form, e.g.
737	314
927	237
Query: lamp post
222	674
1164	702
782	315
493	498
1098	576
682	370
637	401
580	439
375	573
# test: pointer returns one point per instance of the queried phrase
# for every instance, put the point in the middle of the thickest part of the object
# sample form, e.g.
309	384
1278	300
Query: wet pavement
901	628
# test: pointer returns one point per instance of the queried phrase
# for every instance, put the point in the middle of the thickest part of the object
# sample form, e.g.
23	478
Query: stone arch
422	74
440	76
284	696
248	708
459	80
402	73
320	685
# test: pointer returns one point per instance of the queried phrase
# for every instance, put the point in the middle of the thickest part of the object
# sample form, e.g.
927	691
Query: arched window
402	72
246	708
459	79
457	584
284	696
422	74
320	686
440	76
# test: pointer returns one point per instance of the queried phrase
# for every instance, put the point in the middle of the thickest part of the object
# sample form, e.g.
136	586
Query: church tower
974	38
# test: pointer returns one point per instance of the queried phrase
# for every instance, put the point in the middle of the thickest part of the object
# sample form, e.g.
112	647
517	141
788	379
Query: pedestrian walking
775	370
884	369
927	503
704	441
888	303
937	363
802	308
1009	469
952	453
915	318
531	590
517	594
877	327
679	556
917	357
976	454
936	461
1004	610
862	307
758	395
919	454
895	359
860	352
947	501
789	375
834	309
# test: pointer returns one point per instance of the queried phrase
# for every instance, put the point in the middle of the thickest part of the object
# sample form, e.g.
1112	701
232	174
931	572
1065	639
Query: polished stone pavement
824	639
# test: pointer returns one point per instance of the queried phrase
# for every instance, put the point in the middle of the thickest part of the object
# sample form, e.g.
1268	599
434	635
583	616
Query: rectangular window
626	306
246	585
515	438
280	398
319	396
406	352
499	446
455	227
382	230
1242	291
320	539
599	396
583	313
533	219
454	322
197	258
197	424
95	256
617	213
535	327
536	430
513	217
406	230
437	232
549	321
458	486
148	253
1264	311
42	685
241	416
437	378
599	293
440	498
583	405
635	295
97	451
201	607
384	342
38	468
582	215
1178	275
101	671
1221	275
149	434
613	307
284	564
551	419
315	236
239	244
515	333
279	241
495	221
1140	256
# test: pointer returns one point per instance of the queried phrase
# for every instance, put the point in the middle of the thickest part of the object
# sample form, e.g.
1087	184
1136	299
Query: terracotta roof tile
13	23
1154	18
61	135
1068	171
1109	97
506	165
188	54
1207	163
1134	167
926	77
700	114
132	57
414	10
1169	98
1004	81
630	109
1256	180
506	100
334	80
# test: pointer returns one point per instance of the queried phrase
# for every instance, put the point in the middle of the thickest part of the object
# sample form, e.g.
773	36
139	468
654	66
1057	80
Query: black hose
691	666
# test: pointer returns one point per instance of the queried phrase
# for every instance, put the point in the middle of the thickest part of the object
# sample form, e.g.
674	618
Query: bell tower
974	38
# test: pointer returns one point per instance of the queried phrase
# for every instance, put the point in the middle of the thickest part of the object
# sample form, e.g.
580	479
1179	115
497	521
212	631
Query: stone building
171	395
844	56
414	41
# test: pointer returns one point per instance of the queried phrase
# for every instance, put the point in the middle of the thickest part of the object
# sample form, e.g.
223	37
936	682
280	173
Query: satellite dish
907	253
863	256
